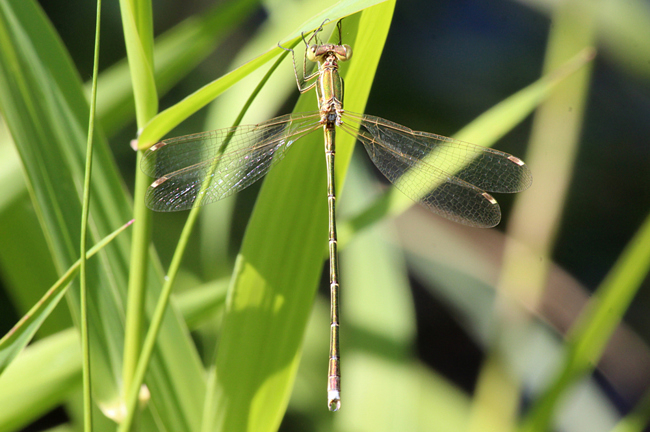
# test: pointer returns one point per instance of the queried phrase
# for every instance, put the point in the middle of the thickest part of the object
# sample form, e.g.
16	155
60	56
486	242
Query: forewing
213	165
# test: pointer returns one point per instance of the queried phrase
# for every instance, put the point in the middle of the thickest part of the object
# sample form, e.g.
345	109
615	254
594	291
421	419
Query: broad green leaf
42	102
278	267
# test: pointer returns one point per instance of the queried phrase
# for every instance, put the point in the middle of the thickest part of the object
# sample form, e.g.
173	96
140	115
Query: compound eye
348	52
311	53
344	52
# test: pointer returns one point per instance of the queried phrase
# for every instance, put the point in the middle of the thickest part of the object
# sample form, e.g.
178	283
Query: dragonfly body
449	177
329	90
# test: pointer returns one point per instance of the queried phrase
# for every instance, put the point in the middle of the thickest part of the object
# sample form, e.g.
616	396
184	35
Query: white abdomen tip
334	400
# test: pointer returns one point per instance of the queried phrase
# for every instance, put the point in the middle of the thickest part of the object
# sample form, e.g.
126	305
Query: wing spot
489	197
516	160
156	146
159	181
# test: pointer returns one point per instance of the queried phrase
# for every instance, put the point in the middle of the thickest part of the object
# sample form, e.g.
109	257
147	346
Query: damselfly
449	177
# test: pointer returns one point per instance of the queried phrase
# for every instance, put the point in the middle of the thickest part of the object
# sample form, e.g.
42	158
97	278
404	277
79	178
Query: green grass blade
589	336
176	52
22	333
171	117
280	262
137	23
85	209
53	388
42	101
138	36
22	241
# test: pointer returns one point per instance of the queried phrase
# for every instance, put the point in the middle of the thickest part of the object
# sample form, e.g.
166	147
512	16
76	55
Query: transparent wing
216	164
448	176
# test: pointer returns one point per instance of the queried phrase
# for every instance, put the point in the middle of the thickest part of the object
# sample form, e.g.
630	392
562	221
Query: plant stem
85	341
138	34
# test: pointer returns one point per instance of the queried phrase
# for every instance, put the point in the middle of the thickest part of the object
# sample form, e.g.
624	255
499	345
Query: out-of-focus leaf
45	373
22	244
23	332
595	326
203	301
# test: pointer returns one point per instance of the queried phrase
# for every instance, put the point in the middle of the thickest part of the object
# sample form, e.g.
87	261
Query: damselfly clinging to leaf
450	177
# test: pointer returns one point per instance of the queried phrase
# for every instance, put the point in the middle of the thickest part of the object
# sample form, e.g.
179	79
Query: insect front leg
303	87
